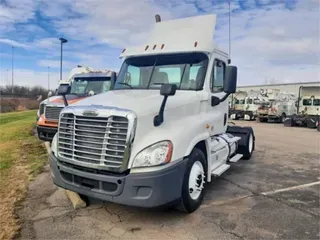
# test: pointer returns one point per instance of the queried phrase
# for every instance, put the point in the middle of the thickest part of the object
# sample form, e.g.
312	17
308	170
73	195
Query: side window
133	76
217	76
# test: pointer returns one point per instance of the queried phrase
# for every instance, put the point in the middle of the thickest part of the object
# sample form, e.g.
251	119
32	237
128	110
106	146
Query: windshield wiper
127	84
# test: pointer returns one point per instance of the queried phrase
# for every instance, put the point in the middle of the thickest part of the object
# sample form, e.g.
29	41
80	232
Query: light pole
48	78
62	40
12	72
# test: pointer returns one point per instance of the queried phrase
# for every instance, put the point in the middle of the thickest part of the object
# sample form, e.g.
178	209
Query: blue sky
272	40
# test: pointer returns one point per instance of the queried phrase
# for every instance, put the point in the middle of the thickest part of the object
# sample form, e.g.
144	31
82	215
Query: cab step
236	158
218	171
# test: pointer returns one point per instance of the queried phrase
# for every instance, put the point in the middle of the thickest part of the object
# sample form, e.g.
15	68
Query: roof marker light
146	47
195	44
123	50
154	47
162	46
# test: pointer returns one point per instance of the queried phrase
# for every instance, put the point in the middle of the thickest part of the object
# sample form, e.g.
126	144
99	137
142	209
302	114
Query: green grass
21	157
17	141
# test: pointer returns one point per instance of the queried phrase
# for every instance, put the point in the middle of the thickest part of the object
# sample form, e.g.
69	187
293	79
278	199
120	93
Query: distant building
283	87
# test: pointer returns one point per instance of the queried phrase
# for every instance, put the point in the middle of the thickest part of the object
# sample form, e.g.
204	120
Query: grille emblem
90	113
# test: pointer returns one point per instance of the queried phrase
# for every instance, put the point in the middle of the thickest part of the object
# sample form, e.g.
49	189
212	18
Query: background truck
308	108
237	105
83	82
245	105
277	107
162	133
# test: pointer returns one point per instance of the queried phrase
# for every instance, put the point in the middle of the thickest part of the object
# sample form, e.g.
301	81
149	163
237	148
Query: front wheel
193	182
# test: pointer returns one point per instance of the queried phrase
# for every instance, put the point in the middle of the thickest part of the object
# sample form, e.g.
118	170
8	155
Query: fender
204	136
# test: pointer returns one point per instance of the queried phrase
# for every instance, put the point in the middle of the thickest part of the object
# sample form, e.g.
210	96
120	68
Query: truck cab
308	108
161	134
238	104
83	83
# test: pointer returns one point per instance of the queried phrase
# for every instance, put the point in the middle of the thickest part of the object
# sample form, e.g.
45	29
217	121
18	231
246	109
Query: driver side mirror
168	89
229	85
113	79
63	90
230	80
50	93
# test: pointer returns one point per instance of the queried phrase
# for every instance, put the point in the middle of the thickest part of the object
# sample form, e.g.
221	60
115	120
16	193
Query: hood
58	100
142	102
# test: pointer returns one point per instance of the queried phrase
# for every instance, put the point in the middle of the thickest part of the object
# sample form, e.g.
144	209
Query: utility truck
83	82
161	135
308	108
277	107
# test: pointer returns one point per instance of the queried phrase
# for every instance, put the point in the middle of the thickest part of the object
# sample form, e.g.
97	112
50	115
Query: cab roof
192	34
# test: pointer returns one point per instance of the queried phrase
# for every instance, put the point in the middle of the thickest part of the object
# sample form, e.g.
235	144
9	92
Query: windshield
307	102
187	71
316	102
83	86
249	101
239	101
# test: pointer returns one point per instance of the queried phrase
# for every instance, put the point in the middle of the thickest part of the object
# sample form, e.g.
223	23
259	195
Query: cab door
219	113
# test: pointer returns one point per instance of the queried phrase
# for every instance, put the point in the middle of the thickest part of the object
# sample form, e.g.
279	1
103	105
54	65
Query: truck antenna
158	18
229	60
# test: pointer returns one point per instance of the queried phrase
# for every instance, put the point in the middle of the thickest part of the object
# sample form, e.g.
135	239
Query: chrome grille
98	141
41	108
52	112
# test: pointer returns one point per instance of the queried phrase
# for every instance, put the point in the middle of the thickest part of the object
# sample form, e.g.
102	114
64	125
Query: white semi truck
308	108
162	133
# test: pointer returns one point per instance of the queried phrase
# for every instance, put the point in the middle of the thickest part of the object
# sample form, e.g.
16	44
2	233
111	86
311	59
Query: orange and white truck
83	82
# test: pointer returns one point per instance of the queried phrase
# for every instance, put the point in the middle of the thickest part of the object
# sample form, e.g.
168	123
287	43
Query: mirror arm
225	97
159	118
65	100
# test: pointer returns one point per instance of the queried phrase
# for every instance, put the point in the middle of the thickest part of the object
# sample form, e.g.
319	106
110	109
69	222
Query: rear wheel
193	182
249	145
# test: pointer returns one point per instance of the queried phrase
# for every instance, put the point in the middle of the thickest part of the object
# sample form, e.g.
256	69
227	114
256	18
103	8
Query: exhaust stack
158	18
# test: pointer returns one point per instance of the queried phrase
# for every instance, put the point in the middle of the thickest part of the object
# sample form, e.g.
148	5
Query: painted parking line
291	188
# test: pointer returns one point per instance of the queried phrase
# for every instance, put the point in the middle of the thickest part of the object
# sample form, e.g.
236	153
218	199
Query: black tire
263	119
283	118
312	122
187	204
244	147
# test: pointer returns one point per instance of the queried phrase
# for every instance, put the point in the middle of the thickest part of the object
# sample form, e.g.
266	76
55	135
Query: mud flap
243	143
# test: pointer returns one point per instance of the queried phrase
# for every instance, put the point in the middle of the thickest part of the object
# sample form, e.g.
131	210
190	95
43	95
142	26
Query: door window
217	76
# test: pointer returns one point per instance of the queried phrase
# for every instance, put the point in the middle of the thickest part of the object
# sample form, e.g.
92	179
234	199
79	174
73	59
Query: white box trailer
161	135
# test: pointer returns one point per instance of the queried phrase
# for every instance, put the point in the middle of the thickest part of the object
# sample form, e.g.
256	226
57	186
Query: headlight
156	154
54	145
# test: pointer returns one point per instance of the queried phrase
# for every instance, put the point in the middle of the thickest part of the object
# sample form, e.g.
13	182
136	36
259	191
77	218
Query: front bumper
236	114
249	115
46	133
150	189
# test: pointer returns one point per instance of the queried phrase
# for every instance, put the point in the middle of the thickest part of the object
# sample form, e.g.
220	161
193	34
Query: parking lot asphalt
275	195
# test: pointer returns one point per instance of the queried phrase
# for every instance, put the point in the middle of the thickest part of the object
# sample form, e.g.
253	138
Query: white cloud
15	11
14	43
